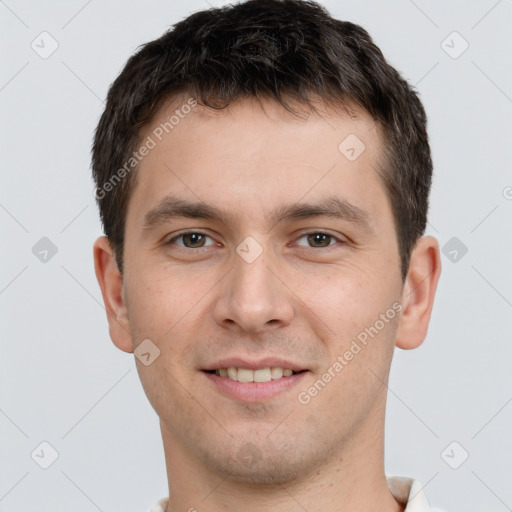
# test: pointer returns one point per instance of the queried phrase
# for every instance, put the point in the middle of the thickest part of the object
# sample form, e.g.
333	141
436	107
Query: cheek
157	302
347	299
167	310
145	307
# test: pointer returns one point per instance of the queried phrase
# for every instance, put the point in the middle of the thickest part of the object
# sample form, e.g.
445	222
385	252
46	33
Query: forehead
181	114
252	150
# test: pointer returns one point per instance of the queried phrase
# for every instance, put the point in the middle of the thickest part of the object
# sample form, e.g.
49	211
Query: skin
303	299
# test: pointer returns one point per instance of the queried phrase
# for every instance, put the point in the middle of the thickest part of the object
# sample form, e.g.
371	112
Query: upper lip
252	364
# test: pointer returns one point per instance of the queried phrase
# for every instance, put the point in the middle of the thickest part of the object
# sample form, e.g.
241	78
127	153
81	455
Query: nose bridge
253	282
252	296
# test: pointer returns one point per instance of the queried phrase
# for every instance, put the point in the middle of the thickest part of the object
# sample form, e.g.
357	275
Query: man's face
263	279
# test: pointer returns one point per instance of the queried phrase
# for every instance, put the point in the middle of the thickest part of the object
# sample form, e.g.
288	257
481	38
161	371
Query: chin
264	464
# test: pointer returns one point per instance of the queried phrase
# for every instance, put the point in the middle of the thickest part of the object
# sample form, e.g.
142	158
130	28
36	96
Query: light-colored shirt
406	490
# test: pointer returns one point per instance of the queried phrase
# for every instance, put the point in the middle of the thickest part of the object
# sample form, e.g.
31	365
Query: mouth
253	382
259	375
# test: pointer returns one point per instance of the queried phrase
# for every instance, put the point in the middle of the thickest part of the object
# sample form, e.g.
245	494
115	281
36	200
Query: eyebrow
171	207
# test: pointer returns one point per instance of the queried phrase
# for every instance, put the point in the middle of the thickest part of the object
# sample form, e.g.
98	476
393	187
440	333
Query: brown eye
191	240
319	239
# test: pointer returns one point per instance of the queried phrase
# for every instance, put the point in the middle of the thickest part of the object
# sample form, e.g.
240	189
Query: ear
111	284
418	293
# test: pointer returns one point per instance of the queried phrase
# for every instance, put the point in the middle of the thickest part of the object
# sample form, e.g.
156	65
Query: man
262	176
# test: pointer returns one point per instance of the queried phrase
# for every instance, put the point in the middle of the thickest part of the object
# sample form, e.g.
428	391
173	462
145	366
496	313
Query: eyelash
318	232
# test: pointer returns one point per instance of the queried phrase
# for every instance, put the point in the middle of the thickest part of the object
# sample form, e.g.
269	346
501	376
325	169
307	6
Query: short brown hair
282	49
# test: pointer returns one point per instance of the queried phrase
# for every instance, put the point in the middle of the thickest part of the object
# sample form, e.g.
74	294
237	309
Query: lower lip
254	391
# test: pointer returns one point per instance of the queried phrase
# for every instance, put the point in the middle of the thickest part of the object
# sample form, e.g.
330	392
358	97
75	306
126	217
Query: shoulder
409	492
159	506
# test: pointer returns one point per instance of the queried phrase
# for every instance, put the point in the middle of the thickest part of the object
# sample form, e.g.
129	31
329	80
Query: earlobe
418	293
110	281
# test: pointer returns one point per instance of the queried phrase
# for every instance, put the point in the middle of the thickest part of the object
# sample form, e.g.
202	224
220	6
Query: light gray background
63	381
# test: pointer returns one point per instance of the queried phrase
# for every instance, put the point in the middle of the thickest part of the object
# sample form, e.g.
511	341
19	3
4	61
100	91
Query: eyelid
180	234
337	238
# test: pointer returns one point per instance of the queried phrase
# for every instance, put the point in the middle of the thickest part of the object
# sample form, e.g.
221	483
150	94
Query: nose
253	298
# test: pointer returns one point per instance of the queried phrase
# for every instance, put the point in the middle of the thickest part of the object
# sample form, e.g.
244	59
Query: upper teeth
262	375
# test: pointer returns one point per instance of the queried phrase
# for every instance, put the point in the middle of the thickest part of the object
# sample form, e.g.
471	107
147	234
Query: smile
253	386
248	375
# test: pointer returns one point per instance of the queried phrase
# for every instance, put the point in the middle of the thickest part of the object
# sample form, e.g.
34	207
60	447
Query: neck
351	480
